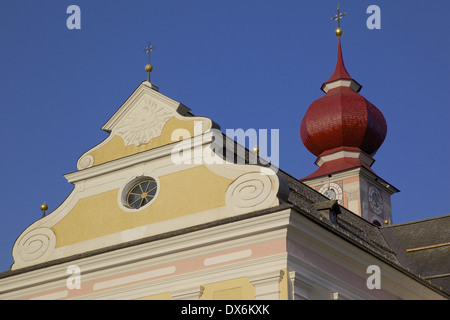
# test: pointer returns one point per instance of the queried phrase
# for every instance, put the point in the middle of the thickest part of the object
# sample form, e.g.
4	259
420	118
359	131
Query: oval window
141	193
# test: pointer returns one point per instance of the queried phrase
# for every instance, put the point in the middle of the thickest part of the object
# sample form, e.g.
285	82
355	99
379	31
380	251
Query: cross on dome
338	17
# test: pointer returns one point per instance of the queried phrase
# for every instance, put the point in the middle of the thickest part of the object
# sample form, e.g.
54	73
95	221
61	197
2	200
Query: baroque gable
133	185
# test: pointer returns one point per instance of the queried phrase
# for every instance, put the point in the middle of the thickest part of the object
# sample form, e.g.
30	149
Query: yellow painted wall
284	287
234	289
182	193
115	148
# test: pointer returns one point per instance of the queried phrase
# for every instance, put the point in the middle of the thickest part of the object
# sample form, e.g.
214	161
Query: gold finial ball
338	32
44	207
255	149
149	68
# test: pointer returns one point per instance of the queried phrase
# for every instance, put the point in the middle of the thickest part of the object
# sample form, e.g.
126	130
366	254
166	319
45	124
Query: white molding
190	293
227	257
345	154
267	285
134	278
342	83
298	285
187	286
53	296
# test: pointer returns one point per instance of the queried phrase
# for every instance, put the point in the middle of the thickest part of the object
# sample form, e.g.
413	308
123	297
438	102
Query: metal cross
149	50
338	16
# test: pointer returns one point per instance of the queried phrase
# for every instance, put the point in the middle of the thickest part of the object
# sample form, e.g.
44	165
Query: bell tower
344	131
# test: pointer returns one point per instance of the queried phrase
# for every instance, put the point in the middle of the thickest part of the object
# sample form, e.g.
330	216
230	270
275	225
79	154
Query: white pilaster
267	285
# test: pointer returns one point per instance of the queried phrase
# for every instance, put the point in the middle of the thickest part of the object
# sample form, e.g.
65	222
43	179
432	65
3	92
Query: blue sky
243	63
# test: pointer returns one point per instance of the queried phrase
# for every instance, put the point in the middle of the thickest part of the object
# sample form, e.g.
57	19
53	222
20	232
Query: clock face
330	194
375	200
332	191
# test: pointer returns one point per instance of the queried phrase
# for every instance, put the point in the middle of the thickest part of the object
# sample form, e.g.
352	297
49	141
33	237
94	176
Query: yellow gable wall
115	148
182	193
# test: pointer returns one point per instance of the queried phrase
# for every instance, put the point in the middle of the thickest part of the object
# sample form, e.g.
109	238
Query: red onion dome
342	117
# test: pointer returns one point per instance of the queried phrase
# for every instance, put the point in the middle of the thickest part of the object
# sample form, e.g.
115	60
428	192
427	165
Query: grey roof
423	247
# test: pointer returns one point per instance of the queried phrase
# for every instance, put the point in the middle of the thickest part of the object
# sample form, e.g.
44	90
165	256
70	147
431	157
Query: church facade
160	210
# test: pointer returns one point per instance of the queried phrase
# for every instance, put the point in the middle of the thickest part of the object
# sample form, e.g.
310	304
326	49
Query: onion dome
342	119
